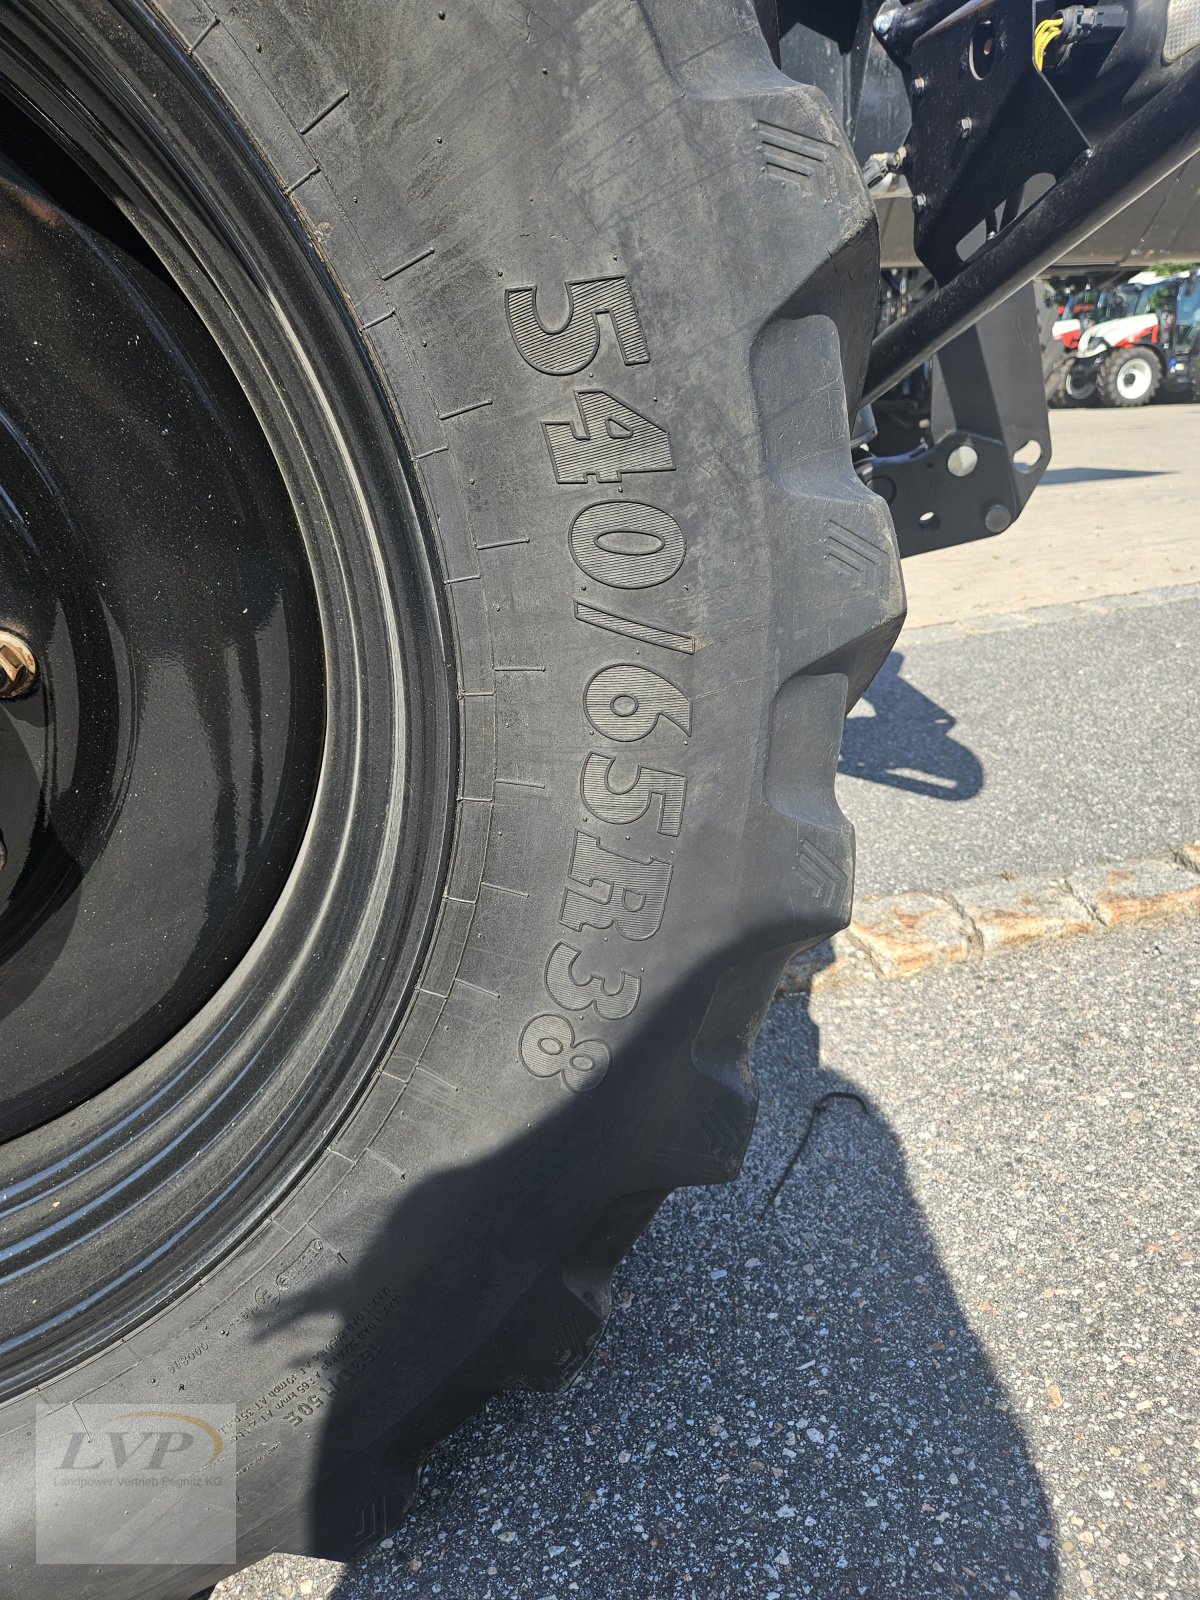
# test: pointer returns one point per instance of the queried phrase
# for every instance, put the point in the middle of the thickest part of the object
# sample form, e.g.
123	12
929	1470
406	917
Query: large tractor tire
1079	384
1070	384
1129	377
434	427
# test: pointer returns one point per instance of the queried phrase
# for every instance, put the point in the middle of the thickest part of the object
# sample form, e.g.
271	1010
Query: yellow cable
1043	34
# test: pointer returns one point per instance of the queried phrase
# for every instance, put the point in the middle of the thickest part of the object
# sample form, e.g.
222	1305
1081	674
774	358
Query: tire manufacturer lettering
578	988
607	889
610	441
575	343
608	798
615	892
626	545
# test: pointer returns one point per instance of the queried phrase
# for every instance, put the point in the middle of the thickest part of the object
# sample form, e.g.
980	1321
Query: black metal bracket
989	437
985	124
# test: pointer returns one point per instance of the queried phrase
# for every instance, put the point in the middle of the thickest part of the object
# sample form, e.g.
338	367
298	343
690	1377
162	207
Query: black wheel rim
156	778
196	1134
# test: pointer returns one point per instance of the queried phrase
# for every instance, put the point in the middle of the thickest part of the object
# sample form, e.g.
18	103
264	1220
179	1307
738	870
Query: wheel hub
1134	379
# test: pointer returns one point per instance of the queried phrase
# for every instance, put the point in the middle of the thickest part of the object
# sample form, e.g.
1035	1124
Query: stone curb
895	936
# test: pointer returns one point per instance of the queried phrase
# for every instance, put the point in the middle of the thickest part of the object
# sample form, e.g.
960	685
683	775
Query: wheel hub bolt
18	666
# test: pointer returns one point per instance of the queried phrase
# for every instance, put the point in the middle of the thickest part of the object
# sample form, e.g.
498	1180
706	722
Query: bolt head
917	88
18	666
962	461
997	517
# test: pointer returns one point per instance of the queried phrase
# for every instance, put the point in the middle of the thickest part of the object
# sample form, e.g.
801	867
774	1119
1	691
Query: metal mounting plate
985	124
988	398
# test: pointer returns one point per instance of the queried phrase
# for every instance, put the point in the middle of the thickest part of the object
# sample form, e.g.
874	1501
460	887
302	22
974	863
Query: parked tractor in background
1140	343
1083	308
1070	309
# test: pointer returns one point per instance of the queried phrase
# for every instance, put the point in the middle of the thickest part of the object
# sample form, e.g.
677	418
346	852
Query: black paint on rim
112	1207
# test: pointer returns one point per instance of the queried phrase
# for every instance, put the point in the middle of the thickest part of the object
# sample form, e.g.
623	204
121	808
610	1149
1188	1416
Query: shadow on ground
1099	474
906	743
789	1401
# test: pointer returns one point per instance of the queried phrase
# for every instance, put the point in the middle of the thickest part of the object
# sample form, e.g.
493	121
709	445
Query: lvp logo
126	1447
121	1483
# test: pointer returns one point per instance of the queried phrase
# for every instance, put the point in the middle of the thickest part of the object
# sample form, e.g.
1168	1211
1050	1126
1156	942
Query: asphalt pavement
1065	740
